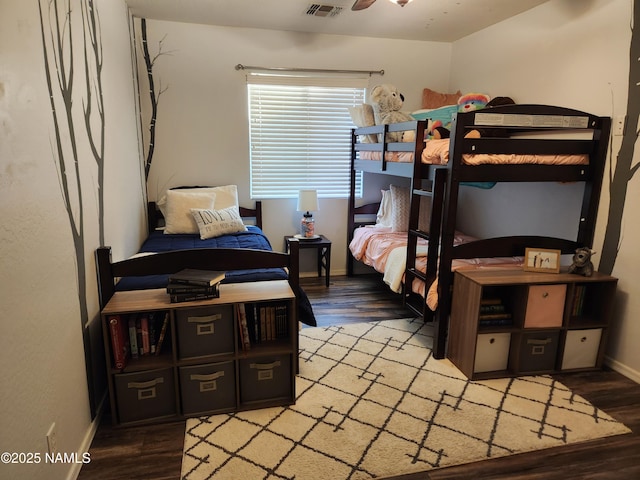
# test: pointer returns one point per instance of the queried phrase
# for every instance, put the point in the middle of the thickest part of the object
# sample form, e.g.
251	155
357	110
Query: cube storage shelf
202	367
511	322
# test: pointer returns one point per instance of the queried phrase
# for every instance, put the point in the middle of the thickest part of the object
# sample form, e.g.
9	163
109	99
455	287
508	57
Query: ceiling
427	20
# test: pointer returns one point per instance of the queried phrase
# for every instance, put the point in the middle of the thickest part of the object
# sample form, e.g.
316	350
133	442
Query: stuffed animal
466	103
469	103
472	101
582	262
387	102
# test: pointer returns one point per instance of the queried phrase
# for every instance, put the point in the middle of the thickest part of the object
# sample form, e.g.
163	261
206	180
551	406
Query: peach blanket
436	152
385	251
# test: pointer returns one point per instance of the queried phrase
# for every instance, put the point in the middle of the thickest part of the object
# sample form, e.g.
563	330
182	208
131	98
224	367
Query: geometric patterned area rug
373	402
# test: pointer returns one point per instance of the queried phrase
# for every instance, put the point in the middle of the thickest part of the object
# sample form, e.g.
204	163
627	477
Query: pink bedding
436	152
385	251
372	245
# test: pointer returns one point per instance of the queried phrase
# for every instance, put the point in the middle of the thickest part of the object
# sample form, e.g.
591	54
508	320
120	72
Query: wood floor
155	452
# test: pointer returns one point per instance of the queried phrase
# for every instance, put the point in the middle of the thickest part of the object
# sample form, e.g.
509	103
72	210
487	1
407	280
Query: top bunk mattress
436	152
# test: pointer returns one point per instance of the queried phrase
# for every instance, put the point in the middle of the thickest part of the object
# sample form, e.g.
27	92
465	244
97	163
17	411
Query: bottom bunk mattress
253	237
386	251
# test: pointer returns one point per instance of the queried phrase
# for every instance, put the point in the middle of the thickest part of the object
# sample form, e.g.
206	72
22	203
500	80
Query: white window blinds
300	135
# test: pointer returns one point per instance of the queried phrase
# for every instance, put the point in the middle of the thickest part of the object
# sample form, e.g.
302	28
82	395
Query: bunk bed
245	256
519	143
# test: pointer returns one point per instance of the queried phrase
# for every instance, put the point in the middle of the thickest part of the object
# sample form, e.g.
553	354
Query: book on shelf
153	332
133	336
190	297
144	329
243	327
119	340
494	313
494	316
496	322
490	301
139	335
162	333
181	288
578	301
492	308
192	276
262	315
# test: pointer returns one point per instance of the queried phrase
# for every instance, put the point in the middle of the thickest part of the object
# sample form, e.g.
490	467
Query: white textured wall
573	54
202	131
43	378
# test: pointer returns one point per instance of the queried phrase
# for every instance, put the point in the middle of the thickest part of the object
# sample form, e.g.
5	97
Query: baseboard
622	369
87	440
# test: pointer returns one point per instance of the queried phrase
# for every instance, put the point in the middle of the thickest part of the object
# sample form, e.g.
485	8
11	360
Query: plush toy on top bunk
469	103
466	103
387	102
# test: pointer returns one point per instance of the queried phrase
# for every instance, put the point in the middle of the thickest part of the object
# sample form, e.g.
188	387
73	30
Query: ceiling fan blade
362	4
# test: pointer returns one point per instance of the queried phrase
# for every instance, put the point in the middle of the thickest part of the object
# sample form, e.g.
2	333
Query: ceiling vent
317	10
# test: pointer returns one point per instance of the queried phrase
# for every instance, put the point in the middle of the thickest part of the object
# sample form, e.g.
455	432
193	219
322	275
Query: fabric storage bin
545	306
145	395
265	378
538	351
206	388
205	331
581	348
492	352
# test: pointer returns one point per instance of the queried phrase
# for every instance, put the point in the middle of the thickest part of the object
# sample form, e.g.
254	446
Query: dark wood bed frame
442	183
205	258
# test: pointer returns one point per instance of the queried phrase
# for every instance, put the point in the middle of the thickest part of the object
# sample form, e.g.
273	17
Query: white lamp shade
307	200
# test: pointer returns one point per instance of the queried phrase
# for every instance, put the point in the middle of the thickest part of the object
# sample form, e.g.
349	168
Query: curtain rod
313	70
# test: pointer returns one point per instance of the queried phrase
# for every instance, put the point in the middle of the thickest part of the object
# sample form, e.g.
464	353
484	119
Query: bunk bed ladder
434	190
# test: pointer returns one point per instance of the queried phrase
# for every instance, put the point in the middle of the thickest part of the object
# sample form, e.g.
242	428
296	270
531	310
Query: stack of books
494	313
191	284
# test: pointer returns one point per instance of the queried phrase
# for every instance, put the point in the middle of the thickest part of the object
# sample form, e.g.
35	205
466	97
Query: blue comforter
253	237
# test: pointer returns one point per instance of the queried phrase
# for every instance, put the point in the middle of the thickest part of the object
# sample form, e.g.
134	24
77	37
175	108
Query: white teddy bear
387	102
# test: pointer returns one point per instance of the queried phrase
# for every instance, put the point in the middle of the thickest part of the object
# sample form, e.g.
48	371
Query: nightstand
323	246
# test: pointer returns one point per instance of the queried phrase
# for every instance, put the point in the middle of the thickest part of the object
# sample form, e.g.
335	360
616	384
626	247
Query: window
300	135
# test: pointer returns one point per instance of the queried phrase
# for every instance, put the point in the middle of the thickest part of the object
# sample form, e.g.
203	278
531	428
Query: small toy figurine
582	262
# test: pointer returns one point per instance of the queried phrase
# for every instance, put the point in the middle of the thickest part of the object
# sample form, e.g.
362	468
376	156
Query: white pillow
383	217
178	205
226	196
213	223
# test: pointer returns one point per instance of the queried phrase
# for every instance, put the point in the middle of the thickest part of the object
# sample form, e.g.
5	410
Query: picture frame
542	260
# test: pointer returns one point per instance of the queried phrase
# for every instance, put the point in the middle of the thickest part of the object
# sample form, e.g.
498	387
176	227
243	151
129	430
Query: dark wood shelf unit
203	368
559	322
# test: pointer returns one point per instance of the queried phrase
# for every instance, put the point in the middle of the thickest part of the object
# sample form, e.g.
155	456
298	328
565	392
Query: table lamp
307	202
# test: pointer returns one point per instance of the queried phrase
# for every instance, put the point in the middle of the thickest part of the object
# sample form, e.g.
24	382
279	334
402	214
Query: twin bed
234	242
417	247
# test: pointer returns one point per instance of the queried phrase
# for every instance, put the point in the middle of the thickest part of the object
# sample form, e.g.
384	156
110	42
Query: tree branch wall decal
93	83
622	172
60	59
153	96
